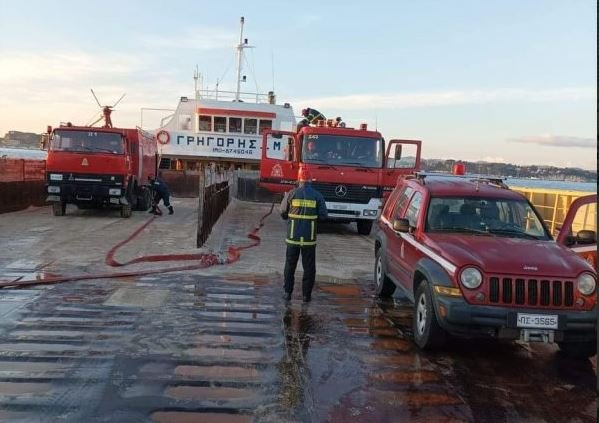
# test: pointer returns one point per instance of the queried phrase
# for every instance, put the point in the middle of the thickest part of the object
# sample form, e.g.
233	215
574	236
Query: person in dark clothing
161	192
302	207
312	115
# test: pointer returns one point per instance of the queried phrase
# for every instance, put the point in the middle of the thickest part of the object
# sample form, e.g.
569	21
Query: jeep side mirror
586	237
401	225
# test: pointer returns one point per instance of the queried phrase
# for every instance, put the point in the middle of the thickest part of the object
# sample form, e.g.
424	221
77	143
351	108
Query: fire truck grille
530	292
344	193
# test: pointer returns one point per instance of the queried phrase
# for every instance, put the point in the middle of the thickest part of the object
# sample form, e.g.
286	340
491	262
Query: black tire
365	226
384	286
59	209
126	210
578	349
427	332
147	199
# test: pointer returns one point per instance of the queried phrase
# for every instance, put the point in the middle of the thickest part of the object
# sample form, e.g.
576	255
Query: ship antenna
243	43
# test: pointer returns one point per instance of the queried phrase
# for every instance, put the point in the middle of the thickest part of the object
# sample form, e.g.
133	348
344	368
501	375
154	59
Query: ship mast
243	43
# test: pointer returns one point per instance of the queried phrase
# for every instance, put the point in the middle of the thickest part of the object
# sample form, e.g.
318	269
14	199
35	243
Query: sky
509	81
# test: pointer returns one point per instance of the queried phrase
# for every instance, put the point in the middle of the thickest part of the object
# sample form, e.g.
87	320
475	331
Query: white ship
222	126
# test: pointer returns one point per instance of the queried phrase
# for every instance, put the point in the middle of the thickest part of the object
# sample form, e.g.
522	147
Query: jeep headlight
52	189
586	284
471	278
56	177
114	191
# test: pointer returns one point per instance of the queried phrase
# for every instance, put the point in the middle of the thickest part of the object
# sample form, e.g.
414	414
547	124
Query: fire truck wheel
578	349
384	286
143	200
364	227
126	210
59	209
427	332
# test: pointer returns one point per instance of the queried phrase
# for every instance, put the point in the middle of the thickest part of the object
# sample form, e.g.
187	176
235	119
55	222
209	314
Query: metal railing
213	198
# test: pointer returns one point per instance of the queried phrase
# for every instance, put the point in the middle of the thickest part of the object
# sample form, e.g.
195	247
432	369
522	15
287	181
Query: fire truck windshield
342	150
86	141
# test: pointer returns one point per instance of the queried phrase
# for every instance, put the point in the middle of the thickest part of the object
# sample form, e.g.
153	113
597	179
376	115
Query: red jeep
476	260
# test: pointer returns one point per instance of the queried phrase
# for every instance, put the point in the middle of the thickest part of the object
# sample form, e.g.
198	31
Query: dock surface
219	345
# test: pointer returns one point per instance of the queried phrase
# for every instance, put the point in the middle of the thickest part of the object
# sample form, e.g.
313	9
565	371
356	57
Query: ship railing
232	95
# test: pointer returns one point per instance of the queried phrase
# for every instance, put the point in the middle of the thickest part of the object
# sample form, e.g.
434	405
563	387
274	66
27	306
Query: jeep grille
531	292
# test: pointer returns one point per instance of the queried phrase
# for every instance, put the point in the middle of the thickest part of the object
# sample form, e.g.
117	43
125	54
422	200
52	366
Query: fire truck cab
354	169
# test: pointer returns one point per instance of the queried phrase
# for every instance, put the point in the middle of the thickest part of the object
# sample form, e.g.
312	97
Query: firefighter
311	116
302	207
161	192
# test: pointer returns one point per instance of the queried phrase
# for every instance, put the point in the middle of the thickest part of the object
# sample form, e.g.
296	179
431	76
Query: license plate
541	321
339	207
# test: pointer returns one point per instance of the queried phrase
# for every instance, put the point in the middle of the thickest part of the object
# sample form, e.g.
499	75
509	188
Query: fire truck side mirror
397	155
289	151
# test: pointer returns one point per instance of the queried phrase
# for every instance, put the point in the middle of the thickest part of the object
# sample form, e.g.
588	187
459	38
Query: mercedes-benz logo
340	190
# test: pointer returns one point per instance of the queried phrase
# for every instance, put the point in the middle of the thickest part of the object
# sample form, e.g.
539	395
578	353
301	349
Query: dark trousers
309	264
164	196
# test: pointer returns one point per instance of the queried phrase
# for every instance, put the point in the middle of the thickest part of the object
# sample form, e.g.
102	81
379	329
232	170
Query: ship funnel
272	98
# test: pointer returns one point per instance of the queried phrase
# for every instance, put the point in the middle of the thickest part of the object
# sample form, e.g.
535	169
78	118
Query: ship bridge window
265	124
235	124
250	126
205	123
220	124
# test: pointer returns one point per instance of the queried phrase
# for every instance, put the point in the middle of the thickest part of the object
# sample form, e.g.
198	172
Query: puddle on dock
191	417
217	372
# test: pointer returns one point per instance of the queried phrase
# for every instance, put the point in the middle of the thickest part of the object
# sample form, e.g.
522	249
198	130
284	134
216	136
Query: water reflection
293	369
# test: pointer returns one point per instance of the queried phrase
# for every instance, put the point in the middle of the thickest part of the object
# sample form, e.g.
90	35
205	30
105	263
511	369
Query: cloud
446	98
63	66
198	38
557	141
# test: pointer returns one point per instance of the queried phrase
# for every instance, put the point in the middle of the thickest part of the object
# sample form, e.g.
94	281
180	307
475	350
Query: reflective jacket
302	207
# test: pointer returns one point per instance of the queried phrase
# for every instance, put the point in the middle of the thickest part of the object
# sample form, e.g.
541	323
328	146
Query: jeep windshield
87	141
335	150
485	216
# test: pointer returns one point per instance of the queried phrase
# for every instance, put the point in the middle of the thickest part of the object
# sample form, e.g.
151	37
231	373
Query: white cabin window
220	124
250	126
184	122
235	124
265	124
205	123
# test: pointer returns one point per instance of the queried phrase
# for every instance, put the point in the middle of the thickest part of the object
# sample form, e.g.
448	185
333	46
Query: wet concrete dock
218	345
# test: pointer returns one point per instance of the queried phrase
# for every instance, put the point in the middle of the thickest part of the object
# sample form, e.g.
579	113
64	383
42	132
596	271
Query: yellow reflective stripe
296	202
300	243
292	227
313	226
301	216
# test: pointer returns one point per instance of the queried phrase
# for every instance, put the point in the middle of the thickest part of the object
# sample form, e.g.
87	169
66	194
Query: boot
170	210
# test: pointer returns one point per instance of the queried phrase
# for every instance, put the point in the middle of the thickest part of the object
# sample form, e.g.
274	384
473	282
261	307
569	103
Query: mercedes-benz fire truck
354	169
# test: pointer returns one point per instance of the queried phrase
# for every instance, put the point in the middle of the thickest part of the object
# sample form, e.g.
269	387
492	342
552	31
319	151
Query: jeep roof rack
485	179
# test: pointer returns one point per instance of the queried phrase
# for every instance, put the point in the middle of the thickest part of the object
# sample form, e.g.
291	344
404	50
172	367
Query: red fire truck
354	169
96	167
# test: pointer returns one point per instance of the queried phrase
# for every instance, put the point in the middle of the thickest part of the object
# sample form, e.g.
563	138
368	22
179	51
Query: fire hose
204	260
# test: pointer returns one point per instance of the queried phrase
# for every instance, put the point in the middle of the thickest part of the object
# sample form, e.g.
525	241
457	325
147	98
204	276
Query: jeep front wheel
384	286
427	332
578	349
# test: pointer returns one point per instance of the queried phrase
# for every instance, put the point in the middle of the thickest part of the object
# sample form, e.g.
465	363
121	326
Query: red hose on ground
205	260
